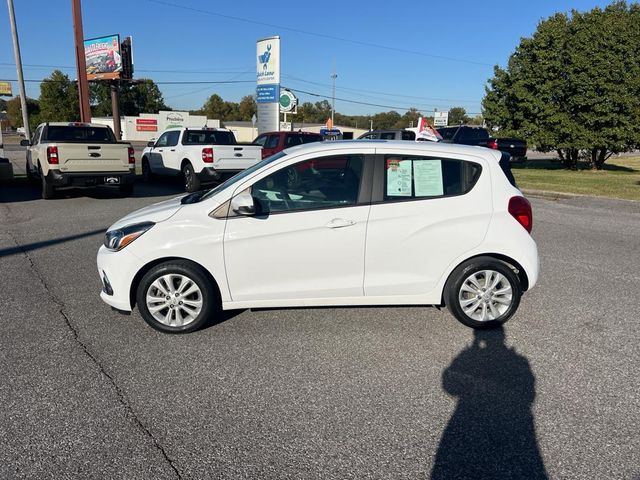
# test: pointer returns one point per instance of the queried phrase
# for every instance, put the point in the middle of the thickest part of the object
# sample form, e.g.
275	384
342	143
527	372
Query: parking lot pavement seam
119	393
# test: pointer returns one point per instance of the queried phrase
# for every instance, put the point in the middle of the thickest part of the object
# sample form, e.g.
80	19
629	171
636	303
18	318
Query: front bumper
117	271
90	179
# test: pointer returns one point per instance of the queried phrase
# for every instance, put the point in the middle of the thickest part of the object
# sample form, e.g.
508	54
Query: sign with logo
268	84
268	61
103	58
285	126
5	89
146	125
288	101
440	119
173	120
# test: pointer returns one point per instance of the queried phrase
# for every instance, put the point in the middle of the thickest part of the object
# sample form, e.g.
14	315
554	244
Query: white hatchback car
326	224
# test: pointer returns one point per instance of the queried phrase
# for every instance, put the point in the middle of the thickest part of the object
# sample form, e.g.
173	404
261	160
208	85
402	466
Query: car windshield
204	194
447	133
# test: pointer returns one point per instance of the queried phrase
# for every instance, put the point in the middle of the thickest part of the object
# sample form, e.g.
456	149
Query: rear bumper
90	179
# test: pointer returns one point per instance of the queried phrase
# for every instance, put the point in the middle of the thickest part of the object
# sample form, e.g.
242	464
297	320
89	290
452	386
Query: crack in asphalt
119	393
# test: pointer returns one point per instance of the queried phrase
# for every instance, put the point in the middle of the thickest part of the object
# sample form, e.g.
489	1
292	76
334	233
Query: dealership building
148	126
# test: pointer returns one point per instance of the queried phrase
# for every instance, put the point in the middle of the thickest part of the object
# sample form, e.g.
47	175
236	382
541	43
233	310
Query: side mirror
151	143
243	204
25	143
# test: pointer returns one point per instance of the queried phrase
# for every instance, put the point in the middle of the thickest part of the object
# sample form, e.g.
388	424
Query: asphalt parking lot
317	393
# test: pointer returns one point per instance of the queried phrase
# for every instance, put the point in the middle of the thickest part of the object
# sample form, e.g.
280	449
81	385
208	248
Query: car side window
408	135
388	136
326	182
272	142
172	138
162	141
292	140
412	177
369	136
261	140
36	136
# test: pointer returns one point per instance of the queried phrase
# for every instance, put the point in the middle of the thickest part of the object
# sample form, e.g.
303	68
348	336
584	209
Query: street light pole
16	51
81	65
333	97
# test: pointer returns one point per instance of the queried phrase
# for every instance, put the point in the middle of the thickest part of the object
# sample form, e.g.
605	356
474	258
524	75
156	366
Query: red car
274	142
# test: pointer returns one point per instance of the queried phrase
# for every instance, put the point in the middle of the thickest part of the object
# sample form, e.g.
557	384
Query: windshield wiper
194	197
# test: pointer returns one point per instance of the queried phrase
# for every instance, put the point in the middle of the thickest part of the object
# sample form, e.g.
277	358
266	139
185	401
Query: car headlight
117	239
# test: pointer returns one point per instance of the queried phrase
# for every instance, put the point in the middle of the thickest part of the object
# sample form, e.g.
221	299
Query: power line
209	82
319	35
393	107
67	67
395	95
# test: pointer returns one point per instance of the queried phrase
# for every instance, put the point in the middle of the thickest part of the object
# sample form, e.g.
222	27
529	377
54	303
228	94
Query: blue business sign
267	93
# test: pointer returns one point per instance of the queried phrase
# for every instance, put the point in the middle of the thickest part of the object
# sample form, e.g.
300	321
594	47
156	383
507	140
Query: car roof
74	124
424	148
282	132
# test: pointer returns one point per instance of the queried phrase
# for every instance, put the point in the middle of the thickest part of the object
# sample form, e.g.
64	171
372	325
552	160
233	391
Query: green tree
247	107
409	119
458	116
14	112
141	96
574	86
59	99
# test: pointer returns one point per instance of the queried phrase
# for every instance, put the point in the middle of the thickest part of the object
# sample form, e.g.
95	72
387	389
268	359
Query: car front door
306	239
155	155
426	212
169	155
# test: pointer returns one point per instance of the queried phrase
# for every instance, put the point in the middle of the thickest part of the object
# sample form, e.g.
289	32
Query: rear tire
176	297
483	292
190	179
48	191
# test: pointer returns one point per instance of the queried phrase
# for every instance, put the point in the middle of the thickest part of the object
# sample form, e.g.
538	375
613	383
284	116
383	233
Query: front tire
176	297
147	174
483	292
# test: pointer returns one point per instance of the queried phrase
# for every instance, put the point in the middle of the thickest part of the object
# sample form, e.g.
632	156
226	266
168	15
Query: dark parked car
398	134
468	135
274	142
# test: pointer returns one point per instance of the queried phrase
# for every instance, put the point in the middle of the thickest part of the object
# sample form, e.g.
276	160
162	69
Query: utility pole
333	97
115	109
16	51
83	84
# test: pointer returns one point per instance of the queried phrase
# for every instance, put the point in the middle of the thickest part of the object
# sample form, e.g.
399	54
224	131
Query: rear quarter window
413	177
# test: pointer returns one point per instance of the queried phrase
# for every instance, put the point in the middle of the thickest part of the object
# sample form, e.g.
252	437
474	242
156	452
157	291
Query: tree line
58	101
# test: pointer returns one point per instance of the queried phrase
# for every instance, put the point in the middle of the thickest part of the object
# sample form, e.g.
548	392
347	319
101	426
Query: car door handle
340	223
160	150
173	150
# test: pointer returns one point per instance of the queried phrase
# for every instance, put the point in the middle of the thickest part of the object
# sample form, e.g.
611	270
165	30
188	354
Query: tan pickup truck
71	155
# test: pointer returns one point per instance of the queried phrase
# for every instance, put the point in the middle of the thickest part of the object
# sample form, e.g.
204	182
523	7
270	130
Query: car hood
158	212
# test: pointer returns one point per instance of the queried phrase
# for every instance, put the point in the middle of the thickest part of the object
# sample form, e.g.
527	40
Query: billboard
268	84
103	58
5	89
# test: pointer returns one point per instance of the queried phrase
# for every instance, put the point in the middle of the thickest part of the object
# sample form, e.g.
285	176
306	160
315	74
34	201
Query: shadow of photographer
491	434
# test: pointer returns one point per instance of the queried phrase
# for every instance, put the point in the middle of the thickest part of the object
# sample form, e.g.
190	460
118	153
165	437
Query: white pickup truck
68	155
199	155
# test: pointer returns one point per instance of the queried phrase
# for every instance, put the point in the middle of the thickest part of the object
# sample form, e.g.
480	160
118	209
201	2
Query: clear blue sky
199	40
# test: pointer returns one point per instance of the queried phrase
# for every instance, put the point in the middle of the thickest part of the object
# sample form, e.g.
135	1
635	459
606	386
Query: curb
549	195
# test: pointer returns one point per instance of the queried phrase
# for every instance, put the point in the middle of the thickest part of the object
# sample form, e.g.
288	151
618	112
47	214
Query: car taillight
520	209
52	155
132	157
493	144
207	155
